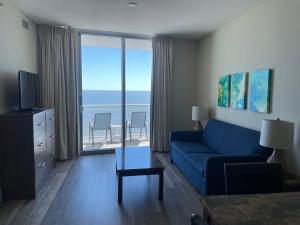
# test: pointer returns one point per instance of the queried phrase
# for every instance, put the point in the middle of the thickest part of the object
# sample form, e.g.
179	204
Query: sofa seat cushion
194	153
197	160
190	147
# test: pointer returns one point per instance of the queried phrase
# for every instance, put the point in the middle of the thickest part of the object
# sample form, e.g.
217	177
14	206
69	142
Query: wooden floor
84	192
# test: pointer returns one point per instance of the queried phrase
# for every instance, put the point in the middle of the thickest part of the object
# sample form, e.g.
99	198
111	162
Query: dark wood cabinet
27	148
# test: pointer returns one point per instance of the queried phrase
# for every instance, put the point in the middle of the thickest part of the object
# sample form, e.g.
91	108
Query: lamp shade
277	134
199	113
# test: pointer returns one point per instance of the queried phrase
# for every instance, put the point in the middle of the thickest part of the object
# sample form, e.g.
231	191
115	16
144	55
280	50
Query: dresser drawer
40	171
50	161
39	145
50	115
50	121
43	168
51	144
50	127
39	123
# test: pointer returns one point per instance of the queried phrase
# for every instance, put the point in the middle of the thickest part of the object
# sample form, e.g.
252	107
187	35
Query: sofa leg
171	160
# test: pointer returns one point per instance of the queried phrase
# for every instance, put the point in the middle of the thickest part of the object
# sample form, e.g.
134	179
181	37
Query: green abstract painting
239	91
260	82
224	91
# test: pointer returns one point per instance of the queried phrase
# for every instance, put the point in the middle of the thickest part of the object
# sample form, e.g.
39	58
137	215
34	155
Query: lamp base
198	126
277	157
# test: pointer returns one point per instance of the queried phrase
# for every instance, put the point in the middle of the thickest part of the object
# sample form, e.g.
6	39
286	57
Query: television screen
29	90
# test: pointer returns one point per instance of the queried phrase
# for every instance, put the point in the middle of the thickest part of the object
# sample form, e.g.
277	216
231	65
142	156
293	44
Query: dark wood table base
156	171
138	161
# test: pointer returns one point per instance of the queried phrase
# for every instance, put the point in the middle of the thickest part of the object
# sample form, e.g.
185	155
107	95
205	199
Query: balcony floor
102	143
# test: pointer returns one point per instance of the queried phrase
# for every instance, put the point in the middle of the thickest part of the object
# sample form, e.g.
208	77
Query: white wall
18	51
185	60
266	37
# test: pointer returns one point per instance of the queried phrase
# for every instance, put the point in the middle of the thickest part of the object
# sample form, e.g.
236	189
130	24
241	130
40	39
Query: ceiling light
132	4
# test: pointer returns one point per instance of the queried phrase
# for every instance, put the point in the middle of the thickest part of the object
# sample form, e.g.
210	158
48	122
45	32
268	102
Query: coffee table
137	161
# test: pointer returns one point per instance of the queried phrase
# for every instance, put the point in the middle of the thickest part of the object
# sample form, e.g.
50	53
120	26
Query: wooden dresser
27	148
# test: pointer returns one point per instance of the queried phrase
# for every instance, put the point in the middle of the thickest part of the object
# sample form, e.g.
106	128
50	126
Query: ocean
96	97
97	101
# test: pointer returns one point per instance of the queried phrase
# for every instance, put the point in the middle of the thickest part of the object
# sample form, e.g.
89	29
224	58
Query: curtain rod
57	26
105	33
113	34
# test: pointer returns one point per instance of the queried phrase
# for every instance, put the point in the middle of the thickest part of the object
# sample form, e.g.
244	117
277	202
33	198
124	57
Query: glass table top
131	158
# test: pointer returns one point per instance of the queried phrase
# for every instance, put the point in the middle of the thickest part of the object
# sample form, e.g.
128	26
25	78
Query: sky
101	69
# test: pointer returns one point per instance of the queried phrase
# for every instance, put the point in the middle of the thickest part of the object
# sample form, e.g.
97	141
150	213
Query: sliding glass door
101	92
115	92
138	85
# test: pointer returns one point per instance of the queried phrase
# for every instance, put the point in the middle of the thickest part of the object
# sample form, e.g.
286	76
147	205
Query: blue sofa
201	155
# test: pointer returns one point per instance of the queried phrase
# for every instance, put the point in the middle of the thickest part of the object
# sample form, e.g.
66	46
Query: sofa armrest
214	170
189	136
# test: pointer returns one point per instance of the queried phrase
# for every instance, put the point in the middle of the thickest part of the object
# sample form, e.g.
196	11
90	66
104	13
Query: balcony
101	139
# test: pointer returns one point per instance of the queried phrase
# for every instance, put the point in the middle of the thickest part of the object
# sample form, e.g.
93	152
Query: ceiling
182	18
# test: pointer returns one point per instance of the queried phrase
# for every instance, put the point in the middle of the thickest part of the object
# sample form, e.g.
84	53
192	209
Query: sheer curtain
58	70
161	94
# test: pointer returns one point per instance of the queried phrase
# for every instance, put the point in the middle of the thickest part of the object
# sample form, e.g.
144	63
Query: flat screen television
29	90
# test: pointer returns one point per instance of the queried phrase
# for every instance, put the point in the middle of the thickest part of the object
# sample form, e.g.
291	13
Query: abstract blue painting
224	91
260	88
239	91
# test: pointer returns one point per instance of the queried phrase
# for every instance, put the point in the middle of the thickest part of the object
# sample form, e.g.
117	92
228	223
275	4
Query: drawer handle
50	118
51	136
41	124
42	164
40	144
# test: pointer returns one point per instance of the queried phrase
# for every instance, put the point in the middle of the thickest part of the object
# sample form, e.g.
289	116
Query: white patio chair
138	120
101	122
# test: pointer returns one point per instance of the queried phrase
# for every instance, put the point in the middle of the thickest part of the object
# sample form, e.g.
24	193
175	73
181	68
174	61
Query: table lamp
199	113
279	135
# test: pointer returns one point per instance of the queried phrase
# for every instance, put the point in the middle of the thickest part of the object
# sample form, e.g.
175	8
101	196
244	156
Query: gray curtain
58	70
161	94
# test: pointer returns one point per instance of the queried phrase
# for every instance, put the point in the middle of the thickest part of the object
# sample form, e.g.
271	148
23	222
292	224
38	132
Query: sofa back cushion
214	133
229	139
239	141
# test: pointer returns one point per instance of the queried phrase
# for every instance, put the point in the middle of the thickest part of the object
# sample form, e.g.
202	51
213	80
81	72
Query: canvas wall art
260	88
224	91
238	95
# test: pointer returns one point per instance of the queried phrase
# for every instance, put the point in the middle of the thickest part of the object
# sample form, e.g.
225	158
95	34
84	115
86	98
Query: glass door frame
123	37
